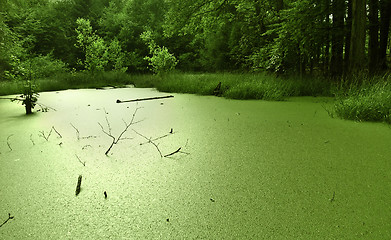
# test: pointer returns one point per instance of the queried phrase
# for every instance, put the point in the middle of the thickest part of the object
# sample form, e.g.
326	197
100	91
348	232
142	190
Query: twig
170	154
9	217
86	146
144	99
56	132
77	132
84	163
8	143
119	138
332	199
150	141
166	135
31	139
49	134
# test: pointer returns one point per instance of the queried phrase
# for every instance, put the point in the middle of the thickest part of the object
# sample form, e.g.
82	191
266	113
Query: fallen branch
150	141
166	135
8	142
144	99
9	217
170	154
177	151
49	134
115	140
77	132
78	185
31	139
84	163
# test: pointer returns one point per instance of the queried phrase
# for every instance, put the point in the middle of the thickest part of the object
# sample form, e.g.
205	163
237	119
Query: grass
369	100
241	86
364	100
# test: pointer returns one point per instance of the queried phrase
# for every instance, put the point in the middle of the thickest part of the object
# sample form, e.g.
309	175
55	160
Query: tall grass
369	100
242	86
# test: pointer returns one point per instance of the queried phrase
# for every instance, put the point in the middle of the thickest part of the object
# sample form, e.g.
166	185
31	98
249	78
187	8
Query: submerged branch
150	141
8	142
115	140
9	217
144	99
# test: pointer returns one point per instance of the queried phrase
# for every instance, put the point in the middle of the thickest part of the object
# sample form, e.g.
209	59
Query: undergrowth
368	100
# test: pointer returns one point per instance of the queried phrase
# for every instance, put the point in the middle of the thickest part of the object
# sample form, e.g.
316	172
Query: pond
245	169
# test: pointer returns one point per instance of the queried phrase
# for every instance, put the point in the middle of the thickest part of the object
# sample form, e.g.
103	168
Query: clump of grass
366	101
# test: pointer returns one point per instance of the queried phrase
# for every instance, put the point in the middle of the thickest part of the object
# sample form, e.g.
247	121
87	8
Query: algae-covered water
245	170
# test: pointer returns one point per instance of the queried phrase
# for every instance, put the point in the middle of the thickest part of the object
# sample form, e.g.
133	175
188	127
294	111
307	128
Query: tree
357	43
385	17
373	48
337	37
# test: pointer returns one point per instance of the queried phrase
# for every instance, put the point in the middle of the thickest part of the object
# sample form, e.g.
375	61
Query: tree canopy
323	37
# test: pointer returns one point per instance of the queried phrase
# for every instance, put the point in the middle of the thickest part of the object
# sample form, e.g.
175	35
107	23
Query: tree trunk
337	35
385	16
373	48
327	40
28	105
279	5
348	34
357	43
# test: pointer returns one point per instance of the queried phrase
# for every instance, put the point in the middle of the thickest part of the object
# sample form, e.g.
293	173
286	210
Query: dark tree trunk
279	5
28	105
373	49
337	36
357	43
348	34
327	40
385	16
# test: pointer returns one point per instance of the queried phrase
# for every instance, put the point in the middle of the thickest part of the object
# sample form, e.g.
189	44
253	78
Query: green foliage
99	55
367	101
162	61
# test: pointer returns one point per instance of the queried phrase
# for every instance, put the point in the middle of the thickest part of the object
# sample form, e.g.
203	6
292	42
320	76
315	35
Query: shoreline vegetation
364	100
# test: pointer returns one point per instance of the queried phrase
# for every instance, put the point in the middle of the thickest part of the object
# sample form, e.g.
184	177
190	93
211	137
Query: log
144	99
78	185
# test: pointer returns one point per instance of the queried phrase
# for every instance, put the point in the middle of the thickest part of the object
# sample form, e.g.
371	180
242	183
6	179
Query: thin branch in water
9	218
119	138
77	132
166	135
86	146
170	154
8	141
84	163
59	135
150	141
31	139
176	151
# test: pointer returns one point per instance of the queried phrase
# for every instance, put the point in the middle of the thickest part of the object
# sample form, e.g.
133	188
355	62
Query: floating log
78	185
144	99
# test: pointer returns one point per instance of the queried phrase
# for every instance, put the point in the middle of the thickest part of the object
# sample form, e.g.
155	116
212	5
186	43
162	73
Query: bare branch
31	139
8	142
149	141
9	218
84	163
77	132
57	132
170	154
144	99
119	138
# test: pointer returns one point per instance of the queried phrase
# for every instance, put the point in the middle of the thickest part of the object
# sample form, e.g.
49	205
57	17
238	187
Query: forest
303	37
